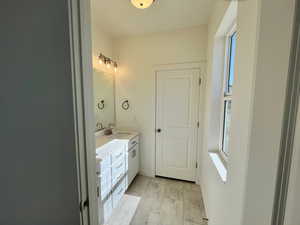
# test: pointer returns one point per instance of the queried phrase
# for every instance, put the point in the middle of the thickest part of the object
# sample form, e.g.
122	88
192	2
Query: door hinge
198	124
83	205
200	81
196	165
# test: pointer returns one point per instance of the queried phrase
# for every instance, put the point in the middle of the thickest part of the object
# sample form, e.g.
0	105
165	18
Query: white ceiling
121	18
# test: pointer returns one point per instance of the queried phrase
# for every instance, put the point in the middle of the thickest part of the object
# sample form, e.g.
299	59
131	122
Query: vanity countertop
119	135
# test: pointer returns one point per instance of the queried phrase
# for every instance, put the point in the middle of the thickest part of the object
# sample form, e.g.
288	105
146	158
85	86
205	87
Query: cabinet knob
158	130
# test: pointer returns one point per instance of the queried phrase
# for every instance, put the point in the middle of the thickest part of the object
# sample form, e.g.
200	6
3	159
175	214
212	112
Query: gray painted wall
38	183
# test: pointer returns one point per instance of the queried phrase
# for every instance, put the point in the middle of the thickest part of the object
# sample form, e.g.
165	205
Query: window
227	93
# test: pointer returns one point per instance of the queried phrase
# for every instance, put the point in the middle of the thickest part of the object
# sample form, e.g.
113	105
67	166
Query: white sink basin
114	144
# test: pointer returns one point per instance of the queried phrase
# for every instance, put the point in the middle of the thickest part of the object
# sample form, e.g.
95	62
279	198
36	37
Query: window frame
226	95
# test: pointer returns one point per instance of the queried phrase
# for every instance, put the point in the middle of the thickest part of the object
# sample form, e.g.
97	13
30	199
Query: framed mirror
104	98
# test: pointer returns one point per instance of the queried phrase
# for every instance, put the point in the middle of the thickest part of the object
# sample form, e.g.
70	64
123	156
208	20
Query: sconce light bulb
100	61
115	66
108	65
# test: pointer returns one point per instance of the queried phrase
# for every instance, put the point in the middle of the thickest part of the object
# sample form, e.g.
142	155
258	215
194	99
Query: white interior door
176	123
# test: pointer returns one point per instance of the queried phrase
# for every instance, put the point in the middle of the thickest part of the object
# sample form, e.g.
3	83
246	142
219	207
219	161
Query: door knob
158	130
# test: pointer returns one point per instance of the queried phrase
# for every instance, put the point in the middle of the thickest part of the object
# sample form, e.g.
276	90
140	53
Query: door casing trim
289	125
81	61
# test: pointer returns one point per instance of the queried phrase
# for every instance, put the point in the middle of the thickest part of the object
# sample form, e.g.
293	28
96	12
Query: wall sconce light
108	62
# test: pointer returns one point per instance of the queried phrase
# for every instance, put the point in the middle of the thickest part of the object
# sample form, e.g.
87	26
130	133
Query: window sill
219	164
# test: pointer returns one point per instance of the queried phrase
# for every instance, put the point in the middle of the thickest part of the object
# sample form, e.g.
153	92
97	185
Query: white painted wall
258	97
275	34
136	79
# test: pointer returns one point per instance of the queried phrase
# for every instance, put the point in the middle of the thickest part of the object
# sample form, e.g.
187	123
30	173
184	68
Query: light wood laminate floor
167	202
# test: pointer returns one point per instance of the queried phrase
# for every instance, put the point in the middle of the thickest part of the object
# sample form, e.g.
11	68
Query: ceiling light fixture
142	4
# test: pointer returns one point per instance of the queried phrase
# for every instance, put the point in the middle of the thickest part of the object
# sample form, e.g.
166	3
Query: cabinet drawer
105	180
133	142
118	193
117	154
105	163
126	162
107	208
104	193
118	171
105	177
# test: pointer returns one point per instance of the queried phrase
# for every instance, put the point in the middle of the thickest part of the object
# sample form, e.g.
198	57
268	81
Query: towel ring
125	105
101	105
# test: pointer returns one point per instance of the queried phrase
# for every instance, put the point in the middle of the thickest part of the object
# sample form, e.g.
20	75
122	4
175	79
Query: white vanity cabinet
112	174
117	165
